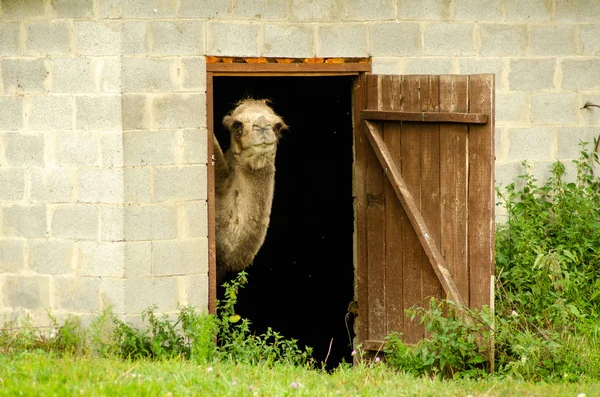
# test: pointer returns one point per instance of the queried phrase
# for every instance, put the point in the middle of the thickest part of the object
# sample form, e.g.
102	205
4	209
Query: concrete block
590	115
110	74
194	149
428	65
266	10
72	75
99	112
24	221
365	10
554	108
195	291
179	111
12	184
512	108
48	37
150	222
9	39
101	186
568	139
581	74
531	74
137	185
112	223
135	37
553	40
101	259
51	256
310	11
76	148
533	144
502	40
210	9
17	9
77	294
52	112
196	219
180	257
425	10
448	39
482	65
590	39
77	221
11	256
112	294
149	74
180	183
577	11
135	110
23	75
144	9
27	292
73	8
177	38
98	37
233	39
141	293
109	9
291	41
395	39
387	65
344	40
24	149
11	112
193	74
507	173
111	148
138	259
477	10
149	147
531	10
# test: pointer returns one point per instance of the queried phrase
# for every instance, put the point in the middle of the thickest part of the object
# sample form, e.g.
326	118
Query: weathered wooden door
424	197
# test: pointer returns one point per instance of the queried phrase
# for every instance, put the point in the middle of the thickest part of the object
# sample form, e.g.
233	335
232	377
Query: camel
244	183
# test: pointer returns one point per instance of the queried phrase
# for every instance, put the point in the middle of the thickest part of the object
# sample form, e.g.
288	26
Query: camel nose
262	123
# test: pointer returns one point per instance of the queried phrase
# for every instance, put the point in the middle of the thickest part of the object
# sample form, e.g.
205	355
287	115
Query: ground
41	373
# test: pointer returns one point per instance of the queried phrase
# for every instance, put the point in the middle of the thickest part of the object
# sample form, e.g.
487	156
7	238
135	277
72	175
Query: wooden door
424	197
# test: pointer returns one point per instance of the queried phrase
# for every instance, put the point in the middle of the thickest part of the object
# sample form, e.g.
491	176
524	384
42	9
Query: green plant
456	345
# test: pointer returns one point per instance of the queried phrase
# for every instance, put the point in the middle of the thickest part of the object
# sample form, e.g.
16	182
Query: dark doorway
301	281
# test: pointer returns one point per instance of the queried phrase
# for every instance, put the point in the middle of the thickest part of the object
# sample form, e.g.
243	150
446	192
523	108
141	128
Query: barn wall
103	124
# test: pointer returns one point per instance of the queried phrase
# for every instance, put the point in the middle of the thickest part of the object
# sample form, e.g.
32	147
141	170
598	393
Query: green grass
42	373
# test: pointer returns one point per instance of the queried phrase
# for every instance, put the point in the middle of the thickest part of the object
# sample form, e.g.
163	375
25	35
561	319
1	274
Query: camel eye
278	127
237	125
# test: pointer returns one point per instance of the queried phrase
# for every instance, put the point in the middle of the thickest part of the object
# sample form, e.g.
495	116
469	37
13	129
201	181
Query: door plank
430	182
453	181
375	228
394	213
481	191
413	213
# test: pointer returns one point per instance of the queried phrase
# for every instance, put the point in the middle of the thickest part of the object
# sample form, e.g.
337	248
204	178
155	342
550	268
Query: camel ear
233	125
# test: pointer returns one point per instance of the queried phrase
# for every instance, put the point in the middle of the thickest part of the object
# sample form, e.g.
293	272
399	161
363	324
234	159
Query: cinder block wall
103	123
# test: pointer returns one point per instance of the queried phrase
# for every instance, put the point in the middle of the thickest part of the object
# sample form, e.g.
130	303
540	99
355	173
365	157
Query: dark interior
301	281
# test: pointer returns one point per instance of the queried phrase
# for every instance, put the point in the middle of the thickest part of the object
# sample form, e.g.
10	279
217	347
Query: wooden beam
288	67
427	117
412	211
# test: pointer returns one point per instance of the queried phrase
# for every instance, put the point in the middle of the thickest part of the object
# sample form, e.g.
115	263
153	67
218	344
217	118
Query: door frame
271	67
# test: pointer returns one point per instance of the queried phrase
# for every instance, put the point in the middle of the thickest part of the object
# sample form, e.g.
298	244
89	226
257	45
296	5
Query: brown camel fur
244	183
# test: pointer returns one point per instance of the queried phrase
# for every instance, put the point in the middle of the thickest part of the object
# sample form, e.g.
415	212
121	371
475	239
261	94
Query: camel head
255	130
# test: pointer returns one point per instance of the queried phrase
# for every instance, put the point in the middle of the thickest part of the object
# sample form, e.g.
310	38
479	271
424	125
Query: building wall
103	123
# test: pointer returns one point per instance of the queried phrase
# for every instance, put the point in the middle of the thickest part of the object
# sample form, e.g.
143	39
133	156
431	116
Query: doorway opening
302	280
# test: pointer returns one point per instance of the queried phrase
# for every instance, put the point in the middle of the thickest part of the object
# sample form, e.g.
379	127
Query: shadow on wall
301	281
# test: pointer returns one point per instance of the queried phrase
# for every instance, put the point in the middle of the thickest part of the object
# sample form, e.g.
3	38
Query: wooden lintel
426	117
287	67
414	215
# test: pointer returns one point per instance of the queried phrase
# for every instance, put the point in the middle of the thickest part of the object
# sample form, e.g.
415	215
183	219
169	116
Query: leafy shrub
456	345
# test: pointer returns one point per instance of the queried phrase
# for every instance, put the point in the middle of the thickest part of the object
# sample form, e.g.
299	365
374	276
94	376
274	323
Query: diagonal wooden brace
414	215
